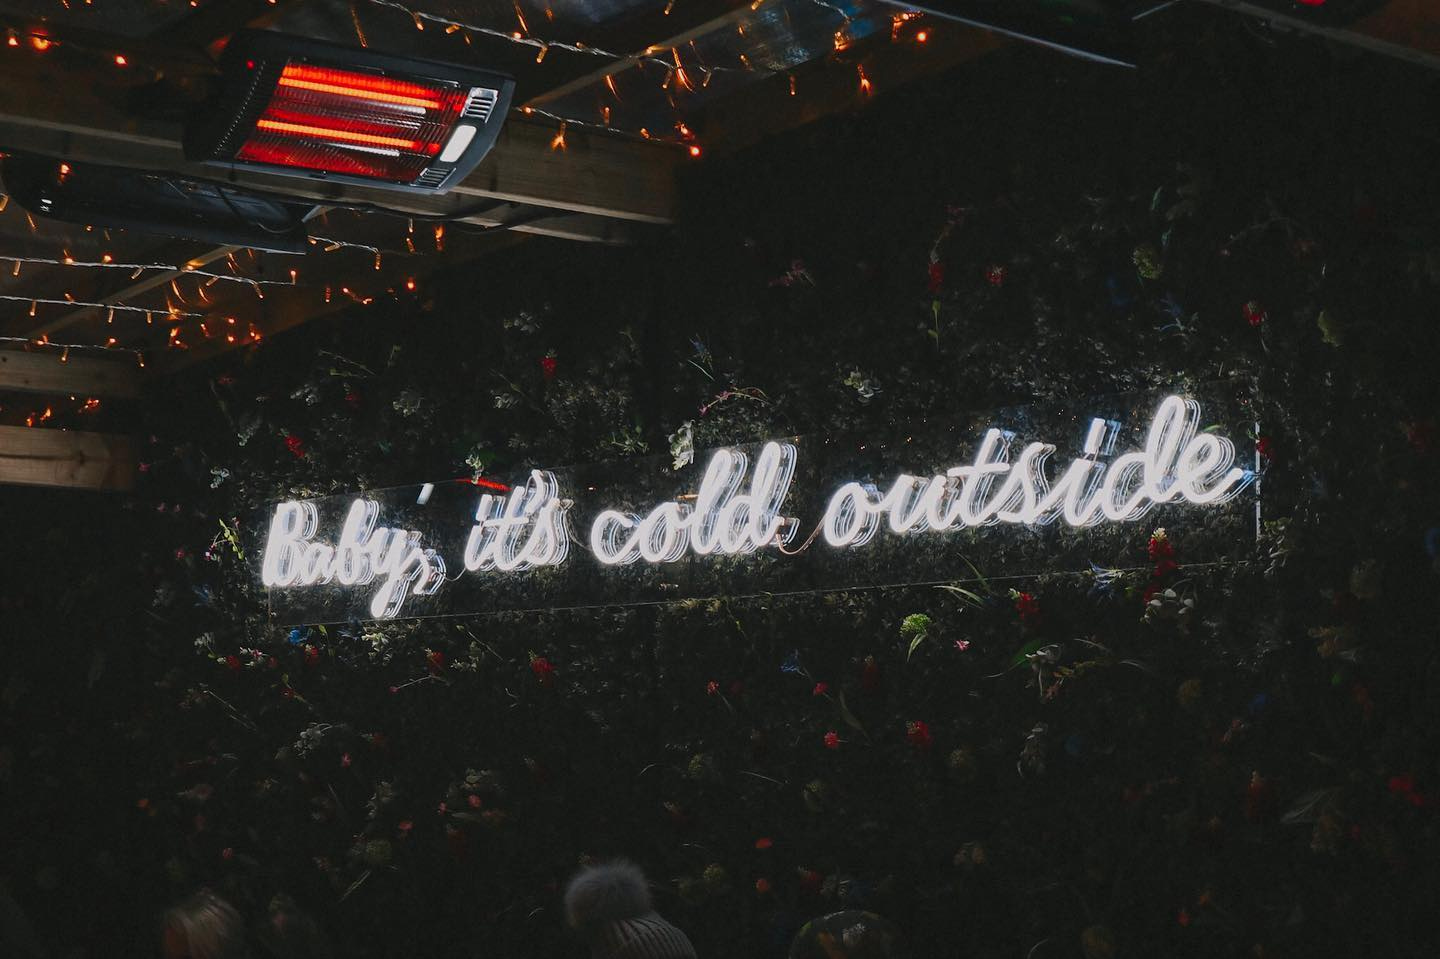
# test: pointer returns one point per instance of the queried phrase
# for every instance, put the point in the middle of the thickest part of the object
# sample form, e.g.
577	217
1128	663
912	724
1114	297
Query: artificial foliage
1146	757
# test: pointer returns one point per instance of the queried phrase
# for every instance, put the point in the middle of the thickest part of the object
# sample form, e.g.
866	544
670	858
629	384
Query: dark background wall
1256	780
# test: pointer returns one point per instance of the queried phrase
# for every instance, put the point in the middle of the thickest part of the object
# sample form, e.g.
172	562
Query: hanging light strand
135	268
81	304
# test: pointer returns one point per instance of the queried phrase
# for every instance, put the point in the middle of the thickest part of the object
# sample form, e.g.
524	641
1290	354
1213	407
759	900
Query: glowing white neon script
1177	463
294	558
520	531
723	519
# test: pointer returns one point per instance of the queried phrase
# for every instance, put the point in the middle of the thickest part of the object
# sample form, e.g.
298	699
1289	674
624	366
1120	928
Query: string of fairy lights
680	73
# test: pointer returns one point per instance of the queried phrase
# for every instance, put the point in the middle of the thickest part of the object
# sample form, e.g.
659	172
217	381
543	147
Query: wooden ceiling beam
66	458
1407	30
78	374
212	22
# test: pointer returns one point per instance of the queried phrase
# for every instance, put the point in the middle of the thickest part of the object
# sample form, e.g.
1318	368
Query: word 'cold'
723	520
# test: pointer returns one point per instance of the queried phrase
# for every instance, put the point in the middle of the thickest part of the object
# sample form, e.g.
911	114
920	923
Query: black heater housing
300	107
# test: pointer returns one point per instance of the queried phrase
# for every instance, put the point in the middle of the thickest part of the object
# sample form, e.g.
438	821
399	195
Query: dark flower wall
1150	757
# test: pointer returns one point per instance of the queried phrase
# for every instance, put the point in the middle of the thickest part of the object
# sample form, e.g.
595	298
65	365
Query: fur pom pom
604	893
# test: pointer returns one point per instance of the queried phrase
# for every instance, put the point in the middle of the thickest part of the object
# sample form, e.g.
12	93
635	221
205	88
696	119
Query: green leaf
1026	650
968	595
913	643
846	715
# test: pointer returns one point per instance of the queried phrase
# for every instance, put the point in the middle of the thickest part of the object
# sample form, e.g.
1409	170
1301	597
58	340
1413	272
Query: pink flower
962	644
832	740
227	854
345	761
821	689
442	809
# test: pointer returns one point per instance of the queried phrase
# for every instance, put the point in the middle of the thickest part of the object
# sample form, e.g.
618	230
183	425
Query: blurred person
610	906
204	926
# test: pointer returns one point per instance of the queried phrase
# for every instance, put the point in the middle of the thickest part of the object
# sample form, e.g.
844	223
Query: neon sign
742	507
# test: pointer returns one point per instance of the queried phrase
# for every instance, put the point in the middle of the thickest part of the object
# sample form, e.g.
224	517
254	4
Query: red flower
1259	799
764	842
1161	548
353	399
870	674
821	689
312	655
295	445
1149	594
406	825
1028	607
547	367
287	693
544	672
832	740
227	854
762	886
995	276
810	880
1404	787
345	761
1265	447
435	660
1254	313
1184	917
474	801
919	734
937	277
233	662
1421	436
712	687
226	380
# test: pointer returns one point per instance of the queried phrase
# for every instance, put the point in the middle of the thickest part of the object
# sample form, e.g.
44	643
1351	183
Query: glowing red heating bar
354	123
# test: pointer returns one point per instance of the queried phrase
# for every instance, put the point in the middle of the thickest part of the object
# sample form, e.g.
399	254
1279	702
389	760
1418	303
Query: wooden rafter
1404	29
89	375
67	458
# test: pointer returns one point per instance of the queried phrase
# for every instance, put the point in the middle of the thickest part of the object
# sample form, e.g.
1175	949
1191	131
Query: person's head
610	906
847	935
204	926
605	893
287	933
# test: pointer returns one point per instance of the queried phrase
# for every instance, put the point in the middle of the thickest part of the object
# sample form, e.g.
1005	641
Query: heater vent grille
481	105
433	179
